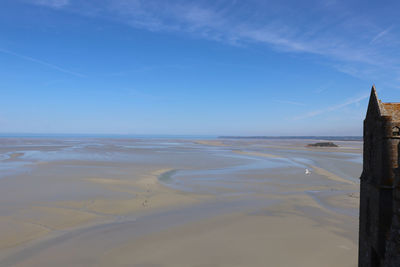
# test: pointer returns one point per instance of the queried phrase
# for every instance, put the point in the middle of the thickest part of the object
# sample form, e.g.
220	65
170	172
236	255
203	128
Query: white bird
307	172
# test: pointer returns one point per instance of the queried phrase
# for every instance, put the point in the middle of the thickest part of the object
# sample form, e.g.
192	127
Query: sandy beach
178	202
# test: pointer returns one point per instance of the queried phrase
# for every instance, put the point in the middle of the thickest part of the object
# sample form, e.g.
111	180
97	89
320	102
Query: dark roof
391	109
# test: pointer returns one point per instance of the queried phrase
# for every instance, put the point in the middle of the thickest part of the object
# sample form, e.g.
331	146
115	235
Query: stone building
379	232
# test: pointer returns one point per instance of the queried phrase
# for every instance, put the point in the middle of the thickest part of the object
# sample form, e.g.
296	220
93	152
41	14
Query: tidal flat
75	201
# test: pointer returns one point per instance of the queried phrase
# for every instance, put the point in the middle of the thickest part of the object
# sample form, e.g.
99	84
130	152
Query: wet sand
158	202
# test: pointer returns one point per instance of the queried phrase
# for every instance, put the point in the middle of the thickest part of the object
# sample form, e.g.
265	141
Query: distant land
322	144
333	138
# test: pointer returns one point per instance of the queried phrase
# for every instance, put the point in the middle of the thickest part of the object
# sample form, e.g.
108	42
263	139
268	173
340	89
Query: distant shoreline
183	137
335	138
105	136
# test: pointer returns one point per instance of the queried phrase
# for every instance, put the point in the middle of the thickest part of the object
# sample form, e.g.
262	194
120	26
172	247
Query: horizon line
2	134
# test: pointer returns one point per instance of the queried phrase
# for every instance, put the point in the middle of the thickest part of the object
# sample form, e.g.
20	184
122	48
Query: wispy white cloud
148	69
49	65
323	87
51	3
339	35
380	35
290	102
355	100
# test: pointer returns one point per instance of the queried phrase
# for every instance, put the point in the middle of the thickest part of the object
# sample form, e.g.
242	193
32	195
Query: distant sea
112	136
163	136
331	138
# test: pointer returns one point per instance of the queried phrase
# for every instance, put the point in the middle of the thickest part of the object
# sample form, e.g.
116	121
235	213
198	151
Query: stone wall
379	232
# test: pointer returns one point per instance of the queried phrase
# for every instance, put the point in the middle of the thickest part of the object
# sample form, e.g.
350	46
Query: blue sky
195	67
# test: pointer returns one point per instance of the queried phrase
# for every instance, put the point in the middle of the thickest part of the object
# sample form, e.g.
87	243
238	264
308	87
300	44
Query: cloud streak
51	3
43	63
332	108
290	102
380	35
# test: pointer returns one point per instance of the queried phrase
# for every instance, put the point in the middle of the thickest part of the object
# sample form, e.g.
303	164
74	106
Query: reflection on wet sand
163	202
